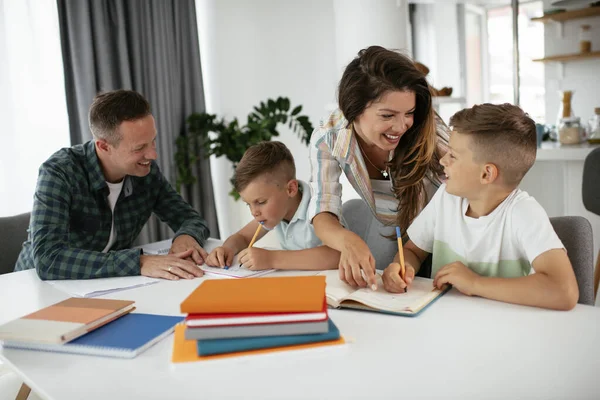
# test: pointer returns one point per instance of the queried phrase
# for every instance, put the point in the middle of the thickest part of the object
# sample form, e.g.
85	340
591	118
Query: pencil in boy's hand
258	228
401	256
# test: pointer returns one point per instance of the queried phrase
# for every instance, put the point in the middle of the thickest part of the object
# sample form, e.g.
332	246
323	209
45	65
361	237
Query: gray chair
590	193
576	235
360	220
13	232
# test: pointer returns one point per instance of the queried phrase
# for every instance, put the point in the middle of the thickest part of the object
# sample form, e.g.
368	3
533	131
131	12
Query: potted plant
220	138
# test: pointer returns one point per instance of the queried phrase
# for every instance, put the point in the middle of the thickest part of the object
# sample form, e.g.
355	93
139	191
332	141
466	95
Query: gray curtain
150	46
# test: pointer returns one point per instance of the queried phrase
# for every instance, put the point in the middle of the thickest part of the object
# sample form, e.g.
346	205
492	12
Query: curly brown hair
374	72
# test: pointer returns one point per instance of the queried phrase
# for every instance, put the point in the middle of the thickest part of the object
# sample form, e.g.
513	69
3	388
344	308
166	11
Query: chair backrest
590	190
576	235
13	232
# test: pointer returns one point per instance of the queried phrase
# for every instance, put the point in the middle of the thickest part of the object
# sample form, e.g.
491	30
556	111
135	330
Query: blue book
208	347
125	337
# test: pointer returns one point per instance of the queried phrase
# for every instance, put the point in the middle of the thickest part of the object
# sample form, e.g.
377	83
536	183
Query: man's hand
172	266
392	282
186	242
458	275
256	259
220	257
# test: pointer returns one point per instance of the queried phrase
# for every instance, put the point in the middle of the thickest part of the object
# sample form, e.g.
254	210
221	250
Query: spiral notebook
125	337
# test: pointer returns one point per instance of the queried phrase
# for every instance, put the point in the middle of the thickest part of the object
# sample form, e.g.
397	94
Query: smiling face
463	174
384	121
133	154
269	200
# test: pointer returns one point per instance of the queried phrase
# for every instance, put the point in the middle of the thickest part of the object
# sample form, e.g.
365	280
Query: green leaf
209	135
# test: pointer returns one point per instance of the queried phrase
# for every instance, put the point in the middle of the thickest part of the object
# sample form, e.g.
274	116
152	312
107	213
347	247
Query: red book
236	319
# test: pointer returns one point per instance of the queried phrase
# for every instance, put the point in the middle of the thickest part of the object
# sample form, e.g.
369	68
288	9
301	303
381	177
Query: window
33	107
531	45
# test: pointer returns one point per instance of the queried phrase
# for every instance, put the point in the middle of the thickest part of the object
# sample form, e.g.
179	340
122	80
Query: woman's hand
357	265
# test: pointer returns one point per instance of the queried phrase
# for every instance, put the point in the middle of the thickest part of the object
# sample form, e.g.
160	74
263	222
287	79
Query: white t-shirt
115	191
502	244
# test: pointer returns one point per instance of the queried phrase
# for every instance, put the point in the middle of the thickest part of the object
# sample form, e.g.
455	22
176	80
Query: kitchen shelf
568	15
448	99
569	57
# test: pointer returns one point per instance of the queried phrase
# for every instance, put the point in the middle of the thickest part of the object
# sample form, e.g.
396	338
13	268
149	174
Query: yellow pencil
255	235
401	255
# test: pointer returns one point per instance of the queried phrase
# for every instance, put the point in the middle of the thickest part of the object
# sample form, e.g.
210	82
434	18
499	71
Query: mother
386	139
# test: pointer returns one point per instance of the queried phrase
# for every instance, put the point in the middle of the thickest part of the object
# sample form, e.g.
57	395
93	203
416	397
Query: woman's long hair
369	76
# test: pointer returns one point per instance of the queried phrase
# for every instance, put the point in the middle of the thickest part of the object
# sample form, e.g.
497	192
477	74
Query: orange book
255	295
186	350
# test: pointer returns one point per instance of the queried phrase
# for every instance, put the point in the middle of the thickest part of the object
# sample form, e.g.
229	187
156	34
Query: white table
461	347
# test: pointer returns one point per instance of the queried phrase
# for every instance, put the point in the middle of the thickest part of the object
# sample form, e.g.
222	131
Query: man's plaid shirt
71	218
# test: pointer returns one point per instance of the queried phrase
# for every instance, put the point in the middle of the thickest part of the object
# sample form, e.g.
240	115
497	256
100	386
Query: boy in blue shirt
266	180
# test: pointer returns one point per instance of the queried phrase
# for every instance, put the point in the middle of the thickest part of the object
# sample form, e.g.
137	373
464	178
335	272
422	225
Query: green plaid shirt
71	218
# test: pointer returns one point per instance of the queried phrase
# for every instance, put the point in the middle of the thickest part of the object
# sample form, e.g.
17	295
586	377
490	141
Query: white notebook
235	271
100	286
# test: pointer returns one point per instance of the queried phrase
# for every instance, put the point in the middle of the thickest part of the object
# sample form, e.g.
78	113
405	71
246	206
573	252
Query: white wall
580	76
263	49
362	23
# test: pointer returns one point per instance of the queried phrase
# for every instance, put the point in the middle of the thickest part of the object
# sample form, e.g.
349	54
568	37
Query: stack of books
254	314
88	326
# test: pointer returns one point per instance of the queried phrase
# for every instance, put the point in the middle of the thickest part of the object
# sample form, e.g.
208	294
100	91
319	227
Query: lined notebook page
420	293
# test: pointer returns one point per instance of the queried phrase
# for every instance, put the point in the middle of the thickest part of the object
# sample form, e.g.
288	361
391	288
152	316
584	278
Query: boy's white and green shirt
71	218
501	244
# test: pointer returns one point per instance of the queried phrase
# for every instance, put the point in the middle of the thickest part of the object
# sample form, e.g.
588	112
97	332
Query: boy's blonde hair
502	134
264	158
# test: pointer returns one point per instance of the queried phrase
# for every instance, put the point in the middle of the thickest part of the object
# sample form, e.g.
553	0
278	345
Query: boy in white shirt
489	238
266	180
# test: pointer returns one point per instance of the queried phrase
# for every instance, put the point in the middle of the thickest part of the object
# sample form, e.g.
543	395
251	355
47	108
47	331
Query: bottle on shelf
585	39
594	127
564	111
570	130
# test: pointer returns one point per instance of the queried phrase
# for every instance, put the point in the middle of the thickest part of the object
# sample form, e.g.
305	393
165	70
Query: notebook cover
65	320
257	295
125	337
209	347
243	319
221	332
186	350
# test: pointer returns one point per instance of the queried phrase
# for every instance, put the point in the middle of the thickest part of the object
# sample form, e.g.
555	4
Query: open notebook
341	295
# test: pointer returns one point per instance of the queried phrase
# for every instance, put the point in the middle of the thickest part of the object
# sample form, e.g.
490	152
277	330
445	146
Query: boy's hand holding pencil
398	276
393	282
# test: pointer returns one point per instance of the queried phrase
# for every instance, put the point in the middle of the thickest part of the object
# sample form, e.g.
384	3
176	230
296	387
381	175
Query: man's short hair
265	158
502	134
110	109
